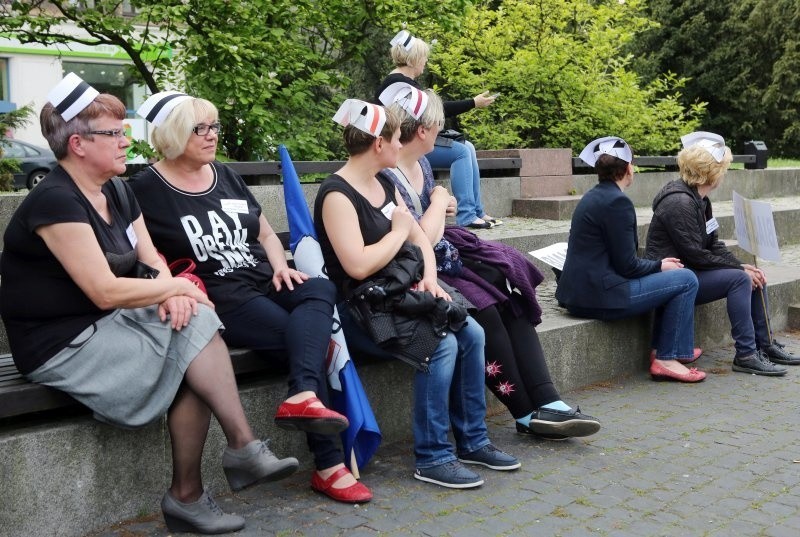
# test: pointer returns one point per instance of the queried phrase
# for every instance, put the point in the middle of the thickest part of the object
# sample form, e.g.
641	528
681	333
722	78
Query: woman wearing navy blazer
603	278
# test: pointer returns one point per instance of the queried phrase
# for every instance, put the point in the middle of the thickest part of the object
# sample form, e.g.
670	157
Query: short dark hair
610	168
357	141
57	131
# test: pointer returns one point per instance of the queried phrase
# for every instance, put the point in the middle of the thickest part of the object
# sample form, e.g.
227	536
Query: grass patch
778	162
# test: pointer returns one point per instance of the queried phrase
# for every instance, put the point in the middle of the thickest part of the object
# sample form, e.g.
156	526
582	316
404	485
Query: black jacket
408	324
678	229
601	257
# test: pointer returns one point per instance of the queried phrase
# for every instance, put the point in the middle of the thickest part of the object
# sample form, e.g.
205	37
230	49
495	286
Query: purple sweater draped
522	275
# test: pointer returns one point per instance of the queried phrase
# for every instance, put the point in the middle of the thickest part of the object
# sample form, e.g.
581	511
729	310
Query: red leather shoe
698	352
659	372
304	417
355	493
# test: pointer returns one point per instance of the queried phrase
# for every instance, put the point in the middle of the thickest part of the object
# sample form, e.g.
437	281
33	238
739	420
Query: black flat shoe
478	225
521	429
563	422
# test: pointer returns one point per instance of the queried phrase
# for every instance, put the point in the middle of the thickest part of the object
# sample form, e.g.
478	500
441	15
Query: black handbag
452	134
448	136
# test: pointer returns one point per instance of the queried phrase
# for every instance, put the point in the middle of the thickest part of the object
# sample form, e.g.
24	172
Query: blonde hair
357	141
419	53
432	115
171	137
698	167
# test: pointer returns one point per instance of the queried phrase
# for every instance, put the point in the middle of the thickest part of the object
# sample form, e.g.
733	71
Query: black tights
516	371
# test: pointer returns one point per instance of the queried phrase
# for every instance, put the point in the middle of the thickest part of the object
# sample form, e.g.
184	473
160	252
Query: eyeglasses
115	133
202	129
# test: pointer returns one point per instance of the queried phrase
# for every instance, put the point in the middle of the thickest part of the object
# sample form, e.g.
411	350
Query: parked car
34	162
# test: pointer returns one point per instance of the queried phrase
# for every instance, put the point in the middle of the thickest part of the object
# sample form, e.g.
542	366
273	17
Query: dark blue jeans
746	306
298	322
672	295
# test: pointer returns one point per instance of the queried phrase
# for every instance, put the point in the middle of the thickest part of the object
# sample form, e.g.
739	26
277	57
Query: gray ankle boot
255	463
202	516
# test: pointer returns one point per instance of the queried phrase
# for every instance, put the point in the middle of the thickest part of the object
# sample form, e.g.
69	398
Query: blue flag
362	438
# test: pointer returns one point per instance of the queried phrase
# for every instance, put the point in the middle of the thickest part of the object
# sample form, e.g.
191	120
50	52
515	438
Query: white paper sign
711	226
554	255
755	228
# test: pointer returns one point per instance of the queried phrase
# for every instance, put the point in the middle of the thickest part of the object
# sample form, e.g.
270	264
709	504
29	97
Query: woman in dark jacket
684	226
604	279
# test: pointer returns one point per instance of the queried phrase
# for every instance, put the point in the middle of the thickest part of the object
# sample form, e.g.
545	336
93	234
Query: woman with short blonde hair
684	226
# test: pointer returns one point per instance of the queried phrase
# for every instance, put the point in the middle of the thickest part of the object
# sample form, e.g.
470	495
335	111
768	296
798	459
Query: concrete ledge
67	477
793	317
751	184
551	208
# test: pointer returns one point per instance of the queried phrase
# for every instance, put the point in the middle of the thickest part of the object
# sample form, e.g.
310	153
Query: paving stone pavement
718	458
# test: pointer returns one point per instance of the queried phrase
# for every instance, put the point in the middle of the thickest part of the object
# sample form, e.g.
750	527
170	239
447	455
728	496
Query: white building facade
29	71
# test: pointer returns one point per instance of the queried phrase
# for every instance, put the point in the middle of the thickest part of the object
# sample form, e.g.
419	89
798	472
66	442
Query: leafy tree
562	76
741	57
273	67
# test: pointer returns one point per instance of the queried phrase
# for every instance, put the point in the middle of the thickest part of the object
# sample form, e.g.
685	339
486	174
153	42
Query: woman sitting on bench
603	277
496	278
91	310
198	208
375	252
684	226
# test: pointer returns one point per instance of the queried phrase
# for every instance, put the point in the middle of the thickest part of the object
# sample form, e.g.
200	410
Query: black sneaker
757	364
547	421
491	457
452	475
777	355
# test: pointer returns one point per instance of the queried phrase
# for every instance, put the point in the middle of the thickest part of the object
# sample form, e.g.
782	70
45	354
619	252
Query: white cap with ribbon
713	143
158	106
608	145
71	96
412	100
364	116
403	38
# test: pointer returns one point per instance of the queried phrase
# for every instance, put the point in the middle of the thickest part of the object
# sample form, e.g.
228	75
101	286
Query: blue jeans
298	322
672	295
465	178
746	306
450	393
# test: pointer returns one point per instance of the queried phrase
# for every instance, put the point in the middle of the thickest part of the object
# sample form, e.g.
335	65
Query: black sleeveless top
372	221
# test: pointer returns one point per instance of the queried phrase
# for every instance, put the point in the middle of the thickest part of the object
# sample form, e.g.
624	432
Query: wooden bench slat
18	396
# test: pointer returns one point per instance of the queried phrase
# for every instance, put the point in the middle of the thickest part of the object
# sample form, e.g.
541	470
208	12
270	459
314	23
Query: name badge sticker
388	210
131	235
234	206
711	226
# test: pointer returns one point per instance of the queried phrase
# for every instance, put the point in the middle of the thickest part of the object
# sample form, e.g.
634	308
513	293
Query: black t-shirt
217	228
42	307
372	221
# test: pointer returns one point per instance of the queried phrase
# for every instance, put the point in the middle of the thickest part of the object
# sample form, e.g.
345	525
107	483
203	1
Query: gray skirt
127	367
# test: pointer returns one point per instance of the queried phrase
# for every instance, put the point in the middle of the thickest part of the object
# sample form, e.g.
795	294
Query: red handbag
184	268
